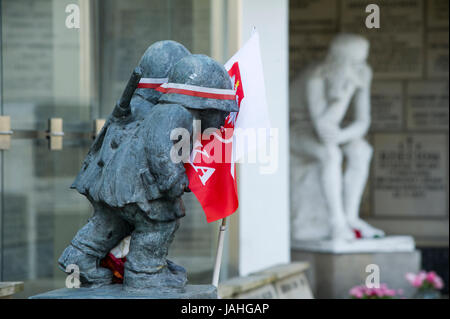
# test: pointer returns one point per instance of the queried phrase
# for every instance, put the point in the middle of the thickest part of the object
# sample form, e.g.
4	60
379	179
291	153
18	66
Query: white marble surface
385	244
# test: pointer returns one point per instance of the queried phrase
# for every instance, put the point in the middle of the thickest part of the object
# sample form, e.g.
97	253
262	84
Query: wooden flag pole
218	263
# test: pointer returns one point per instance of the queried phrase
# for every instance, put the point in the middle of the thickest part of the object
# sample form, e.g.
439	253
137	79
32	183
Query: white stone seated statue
329	160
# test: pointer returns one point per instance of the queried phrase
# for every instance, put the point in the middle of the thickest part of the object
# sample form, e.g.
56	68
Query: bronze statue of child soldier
101	179
152	205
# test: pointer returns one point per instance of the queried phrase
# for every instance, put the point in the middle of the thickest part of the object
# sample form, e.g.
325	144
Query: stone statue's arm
325	118
336	110
361	124
169	172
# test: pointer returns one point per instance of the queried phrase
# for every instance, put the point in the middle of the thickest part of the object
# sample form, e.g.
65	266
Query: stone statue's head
201	71
345	62
349	48
157	61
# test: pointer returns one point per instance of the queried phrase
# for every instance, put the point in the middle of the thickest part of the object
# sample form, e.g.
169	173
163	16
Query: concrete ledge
277	282
385	244
9	288
116	292
239	285
284	271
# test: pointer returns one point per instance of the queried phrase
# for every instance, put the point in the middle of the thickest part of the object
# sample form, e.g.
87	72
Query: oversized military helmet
155	64
199	82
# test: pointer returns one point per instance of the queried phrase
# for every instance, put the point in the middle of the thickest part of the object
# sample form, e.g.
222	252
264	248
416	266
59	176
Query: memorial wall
407	192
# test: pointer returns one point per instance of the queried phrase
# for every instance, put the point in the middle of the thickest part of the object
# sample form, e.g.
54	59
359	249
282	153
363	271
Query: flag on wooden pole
212	176
214	182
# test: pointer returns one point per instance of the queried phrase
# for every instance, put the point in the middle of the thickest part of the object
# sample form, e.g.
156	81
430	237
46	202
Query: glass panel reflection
52	71
40	213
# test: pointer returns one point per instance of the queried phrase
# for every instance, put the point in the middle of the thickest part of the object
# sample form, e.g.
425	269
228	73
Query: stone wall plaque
306	48
396	47
387	105
396	15
427	105
437	13
437	54
309	15
294	287
410	175
284	281
27	51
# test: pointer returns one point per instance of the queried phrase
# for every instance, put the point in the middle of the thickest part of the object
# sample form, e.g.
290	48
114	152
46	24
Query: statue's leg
103	231
330	159
146	265
331	165
358	154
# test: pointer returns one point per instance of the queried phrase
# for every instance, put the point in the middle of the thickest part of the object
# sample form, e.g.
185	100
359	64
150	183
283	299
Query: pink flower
374	293
417	280
390	293
357	292
369	291
437	283
431	276
378	292
359	295
422	275
410	277
435	280
384	291
423	278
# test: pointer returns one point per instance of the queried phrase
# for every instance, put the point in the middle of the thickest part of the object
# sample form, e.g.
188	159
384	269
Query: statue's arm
336	111
361	124
315	99
323	116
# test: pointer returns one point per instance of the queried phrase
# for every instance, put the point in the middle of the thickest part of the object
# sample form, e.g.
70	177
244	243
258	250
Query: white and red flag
211	170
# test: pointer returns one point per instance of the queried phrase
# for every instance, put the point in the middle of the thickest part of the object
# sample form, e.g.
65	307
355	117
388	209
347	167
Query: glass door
51	71
43	77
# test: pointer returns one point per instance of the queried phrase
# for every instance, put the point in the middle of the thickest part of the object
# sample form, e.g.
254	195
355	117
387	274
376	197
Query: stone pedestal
116	292
372	245
335	268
